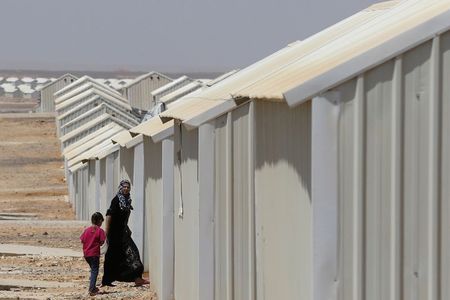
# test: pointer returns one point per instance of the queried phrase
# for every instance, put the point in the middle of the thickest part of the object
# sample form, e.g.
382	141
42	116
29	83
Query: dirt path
34	211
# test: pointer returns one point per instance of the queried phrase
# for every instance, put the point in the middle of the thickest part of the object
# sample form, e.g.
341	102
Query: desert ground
34	211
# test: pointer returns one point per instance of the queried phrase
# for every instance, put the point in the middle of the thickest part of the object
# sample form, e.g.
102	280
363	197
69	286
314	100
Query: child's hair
97	218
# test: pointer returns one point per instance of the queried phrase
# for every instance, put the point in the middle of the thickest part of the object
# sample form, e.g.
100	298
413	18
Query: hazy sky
162	35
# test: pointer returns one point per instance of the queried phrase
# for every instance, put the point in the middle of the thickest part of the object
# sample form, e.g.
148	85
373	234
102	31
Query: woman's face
126	189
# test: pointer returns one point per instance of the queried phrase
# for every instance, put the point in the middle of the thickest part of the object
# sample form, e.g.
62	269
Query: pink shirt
92	238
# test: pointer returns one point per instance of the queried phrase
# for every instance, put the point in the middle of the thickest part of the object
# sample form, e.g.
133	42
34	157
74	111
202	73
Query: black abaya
122	261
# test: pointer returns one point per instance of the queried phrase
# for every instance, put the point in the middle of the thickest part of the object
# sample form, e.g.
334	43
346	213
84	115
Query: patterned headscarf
124	200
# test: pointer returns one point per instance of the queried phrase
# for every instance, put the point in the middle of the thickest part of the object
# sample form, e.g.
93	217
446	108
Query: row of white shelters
319	172
90	170
9	90
340	148
49	89
138	91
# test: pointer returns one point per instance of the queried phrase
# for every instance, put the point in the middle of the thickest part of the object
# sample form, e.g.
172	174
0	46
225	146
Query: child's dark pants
94	263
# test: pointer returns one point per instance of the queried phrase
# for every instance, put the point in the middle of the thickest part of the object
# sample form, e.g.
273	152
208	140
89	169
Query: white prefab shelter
171	98
87	143
84	87
134	173
27	80
12	80
373	99
10	90
89	128
73	108
138	91
81	81
103	108
158	201
48	90
170	87
79	99
26	90
79	178
41	80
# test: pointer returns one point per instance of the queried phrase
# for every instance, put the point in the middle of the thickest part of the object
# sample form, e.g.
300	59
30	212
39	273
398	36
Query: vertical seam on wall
252	273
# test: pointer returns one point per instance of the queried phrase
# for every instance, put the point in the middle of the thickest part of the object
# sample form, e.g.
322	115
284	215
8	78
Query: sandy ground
32	187
8	104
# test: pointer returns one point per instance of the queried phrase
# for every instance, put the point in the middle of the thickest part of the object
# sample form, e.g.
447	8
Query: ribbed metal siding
86	132
223	262
393	169
85	108
70	126
75	104
186	213
153	209
235	276
47	97
283	208
112	177
139	94
92	183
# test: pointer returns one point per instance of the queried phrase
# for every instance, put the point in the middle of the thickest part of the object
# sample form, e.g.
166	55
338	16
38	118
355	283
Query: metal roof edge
212	113
113	148
76	167
135	141
144	76
369	59
164	134
53	82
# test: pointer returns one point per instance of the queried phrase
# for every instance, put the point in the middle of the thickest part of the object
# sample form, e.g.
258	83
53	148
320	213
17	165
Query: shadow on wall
283	137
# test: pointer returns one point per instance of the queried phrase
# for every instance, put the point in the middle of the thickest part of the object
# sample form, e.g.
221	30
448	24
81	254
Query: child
92	238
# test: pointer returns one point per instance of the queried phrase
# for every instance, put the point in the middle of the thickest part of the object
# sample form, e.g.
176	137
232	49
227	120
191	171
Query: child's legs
94	262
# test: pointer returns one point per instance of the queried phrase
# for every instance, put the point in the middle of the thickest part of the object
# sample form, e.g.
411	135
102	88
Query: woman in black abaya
122	261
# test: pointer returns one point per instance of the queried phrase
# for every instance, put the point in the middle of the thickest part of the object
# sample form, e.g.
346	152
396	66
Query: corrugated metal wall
234	207
139	94
86	132
75	104
93	114
393	178
186	213
283	207
91	191
102	193
263	226
138	215
153	210
47	97
85	108
112	177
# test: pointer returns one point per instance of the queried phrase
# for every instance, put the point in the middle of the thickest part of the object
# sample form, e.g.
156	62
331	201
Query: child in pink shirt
92	238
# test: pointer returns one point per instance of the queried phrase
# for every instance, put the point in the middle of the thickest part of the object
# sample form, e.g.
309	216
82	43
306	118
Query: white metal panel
243	206
102	192
168	248
391	167
283	200
153	211
206	211
91	190
139	91
137	220
47	91
186	213
324	188
223	250
444	216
